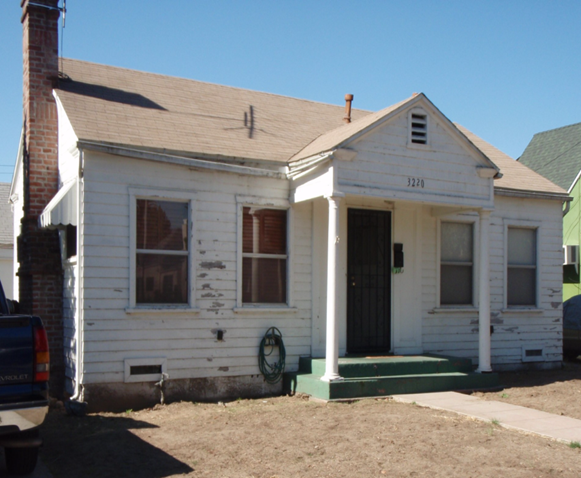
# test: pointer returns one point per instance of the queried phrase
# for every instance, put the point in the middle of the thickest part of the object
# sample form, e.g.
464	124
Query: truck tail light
41	355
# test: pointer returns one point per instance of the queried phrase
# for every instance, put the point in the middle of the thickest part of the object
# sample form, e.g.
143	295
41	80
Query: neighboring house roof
146	111
117	106
6	220
515	176
556	154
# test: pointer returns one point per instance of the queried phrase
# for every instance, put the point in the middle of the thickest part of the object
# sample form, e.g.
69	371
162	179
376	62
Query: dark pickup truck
24	373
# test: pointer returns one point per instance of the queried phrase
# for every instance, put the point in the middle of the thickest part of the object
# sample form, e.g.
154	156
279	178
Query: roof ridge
214	84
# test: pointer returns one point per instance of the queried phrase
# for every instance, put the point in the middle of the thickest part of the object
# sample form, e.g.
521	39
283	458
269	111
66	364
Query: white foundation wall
515	330
185	339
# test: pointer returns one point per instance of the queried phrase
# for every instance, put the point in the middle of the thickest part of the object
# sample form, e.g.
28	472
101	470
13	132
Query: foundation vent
533	355
144	369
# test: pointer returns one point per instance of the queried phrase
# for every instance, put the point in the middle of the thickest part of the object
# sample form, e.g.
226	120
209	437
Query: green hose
272	371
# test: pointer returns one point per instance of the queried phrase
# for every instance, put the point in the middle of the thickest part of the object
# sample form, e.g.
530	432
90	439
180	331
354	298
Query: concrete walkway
509	416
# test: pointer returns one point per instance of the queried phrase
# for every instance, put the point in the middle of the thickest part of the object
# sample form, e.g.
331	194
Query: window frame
520	224
475	264
280	204
154	194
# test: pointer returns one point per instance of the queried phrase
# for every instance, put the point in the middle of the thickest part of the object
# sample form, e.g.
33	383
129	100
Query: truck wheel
21	461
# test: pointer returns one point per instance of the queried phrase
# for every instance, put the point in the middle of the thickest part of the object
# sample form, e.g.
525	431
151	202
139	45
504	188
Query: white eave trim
62	209
179	160
530	194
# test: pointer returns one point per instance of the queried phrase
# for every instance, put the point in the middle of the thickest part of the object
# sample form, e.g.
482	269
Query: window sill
161	310
522	310
264	310
455	309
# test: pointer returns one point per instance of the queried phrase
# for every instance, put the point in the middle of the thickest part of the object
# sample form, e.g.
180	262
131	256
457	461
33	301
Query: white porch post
484	296
332	343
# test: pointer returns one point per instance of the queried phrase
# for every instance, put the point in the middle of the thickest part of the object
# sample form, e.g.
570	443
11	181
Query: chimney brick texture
40	269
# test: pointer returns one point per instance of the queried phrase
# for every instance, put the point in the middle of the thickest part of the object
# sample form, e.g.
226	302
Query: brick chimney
40	267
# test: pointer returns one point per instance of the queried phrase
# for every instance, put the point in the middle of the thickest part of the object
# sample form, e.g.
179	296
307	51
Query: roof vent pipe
348	100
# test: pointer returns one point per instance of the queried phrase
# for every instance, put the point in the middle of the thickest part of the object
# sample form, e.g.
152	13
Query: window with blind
521	260
264	256
161	252
456	263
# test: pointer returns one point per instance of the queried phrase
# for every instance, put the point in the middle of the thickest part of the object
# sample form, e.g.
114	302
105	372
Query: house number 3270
415	183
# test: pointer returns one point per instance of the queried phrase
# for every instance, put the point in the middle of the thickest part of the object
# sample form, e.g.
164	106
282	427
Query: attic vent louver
419	128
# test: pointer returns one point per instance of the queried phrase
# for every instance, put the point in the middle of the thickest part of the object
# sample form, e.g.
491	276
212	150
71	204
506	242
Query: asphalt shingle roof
135	109
556	154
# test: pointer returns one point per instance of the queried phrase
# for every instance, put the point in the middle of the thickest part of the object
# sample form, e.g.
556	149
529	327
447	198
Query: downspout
79	333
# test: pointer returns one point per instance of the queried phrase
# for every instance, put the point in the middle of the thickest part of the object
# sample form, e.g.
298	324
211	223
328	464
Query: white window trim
473	220
254	201
523	224
419	111
160	195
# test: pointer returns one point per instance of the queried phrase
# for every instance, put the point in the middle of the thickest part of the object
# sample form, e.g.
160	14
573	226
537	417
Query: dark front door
369	281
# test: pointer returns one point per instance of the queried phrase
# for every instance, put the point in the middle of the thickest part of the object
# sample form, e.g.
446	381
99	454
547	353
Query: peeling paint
223	369
209	359
217	304
510	329
475	330
117	290
555	291
206	287
431	312
202	275
555	305
209	294
199	243
496	321
212	265
557	321
202	253
474	322
90	323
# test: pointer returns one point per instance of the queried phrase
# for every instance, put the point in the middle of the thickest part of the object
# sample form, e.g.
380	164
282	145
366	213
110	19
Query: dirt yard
294	437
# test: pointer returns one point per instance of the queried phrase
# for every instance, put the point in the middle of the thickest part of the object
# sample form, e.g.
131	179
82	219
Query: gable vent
419	128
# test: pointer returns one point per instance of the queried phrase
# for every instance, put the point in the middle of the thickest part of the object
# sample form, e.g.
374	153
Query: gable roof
556	154
515	176
146	111
117	106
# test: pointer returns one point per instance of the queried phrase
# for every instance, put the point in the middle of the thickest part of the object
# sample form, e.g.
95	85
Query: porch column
332	343
484	305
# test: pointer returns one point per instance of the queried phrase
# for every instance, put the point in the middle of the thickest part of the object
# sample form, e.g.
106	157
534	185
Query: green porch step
351	367
381	376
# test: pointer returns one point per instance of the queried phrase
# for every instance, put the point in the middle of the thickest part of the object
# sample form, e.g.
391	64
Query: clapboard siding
385	162
457	333
187	339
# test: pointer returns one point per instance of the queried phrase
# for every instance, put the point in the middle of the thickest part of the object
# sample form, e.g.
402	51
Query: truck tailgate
16	350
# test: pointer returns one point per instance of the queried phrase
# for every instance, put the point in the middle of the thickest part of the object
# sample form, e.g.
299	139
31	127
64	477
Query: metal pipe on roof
348	101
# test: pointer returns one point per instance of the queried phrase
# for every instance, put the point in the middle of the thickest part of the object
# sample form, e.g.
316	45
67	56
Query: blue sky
504	69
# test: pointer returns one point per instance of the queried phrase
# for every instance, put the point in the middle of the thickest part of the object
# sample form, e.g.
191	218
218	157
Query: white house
195	216
200	208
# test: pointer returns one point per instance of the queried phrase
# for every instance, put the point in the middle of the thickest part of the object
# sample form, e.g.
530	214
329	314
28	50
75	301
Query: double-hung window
521	261
456	263
161	252
264	255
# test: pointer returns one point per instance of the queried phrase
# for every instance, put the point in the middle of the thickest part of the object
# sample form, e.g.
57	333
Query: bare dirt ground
294	437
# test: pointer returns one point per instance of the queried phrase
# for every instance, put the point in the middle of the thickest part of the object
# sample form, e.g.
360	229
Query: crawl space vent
533	355
147	369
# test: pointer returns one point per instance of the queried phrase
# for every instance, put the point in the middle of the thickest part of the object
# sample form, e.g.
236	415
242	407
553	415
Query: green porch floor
390	375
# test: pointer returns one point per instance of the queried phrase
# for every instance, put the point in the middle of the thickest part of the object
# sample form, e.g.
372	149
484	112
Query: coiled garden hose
272	371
